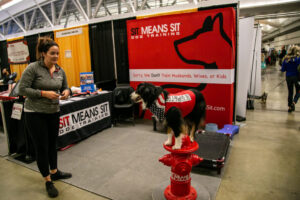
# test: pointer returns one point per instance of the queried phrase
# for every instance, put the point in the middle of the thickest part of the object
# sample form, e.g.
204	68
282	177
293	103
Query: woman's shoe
290	110
60	175
293	107
51	189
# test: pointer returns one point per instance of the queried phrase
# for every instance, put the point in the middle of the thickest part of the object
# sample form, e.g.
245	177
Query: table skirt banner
83	118
196	49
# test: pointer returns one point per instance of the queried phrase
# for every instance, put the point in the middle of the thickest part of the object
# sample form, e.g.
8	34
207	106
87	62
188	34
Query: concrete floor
263	162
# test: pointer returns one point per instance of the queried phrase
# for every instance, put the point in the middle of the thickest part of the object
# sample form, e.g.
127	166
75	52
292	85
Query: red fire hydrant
181	162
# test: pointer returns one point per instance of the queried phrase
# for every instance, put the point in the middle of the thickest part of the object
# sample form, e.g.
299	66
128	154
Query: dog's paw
192	139
168	143
174	147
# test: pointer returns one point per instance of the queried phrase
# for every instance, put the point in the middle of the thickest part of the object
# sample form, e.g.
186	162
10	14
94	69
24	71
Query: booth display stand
213	148
181	162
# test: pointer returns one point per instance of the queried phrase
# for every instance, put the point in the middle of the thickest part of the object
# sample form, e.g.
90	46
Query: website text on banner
190	50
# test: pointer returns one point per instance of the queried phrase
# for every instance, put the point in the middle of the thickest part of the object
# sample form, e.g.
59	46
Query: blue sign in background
87	82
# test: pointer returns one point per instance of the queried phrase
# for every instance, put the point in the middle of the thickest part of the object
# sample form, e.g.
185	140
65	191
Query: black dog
182	112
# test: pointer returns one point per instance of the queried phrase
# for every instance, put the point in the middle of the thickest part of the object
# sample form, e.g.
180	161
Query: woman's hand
65	94
50	94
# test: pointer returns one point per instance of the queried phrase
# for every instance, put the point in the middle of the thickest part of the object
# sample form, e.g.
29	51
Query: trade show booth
193	48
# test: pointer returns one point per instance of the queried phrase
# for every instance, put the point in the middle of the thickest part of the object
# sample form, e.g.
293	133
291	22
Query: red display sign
191	50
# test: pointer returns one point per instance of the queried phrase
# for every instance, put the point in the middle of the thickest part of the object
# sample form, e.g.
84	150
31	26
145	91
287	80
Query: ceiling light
280	20
264	3
9	4
268	27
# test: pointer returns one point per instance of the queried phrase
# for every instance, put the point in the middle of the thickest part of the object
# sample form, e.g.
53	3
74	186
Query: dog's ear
147	92
148	95
216	24
140	88
158	90
207	24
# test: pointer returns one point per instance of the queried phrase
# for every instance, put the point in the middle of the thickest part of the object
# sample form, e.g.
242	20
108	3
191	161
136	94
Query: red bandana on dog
184	100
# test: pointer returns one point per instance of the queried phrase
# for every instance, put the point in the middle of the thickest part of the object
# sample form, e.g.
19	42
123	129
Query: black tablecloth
16	131
83	118
78	120
3	87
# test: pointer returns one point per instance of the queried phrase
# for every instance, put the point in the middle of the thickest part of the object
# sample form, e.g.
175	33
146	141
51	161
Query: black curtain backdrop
32	42
102	56
3	55
120	33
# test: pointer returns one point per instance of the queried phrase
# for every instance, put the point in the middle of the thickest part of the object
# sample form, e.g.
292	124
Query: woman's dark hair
43	45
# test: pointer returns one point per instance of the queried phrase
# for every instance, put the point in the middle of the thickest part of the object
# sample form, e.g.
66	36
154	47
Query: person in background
289	65
263	63
281	55
273	57
297	96
43	83
5	76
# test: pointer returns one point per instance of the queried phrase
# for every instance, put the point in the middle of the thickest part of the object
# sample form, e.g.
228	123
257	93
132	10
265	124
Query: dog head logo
213	48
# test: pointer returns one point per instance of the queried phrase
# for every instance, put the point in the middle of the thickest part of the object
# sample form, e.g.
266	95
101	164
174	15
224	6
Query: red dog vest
184	100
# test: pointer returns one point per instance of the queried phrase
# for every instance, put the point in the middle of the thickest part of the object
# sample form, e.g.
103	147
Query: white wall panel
245	55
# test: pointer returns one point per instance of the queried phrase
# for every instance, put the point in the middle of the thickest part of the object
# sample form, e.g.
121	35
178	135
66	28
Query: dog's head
146	93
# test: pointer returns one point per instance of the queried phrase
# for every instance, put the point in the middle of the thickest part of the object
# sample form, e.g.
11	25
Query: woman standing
289	65
44	83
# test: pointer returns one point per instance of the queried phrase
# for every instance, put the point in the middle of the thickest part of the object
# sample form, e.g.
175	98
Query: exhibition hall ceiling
270	25
276	17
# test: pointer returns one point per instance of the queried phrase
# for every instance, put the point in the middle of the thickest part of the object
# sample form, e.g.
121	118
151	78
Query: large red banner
191	50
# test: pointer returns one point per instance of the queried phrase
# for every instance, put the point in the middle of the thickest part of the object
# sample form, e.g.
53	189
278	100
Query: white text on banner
216	76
